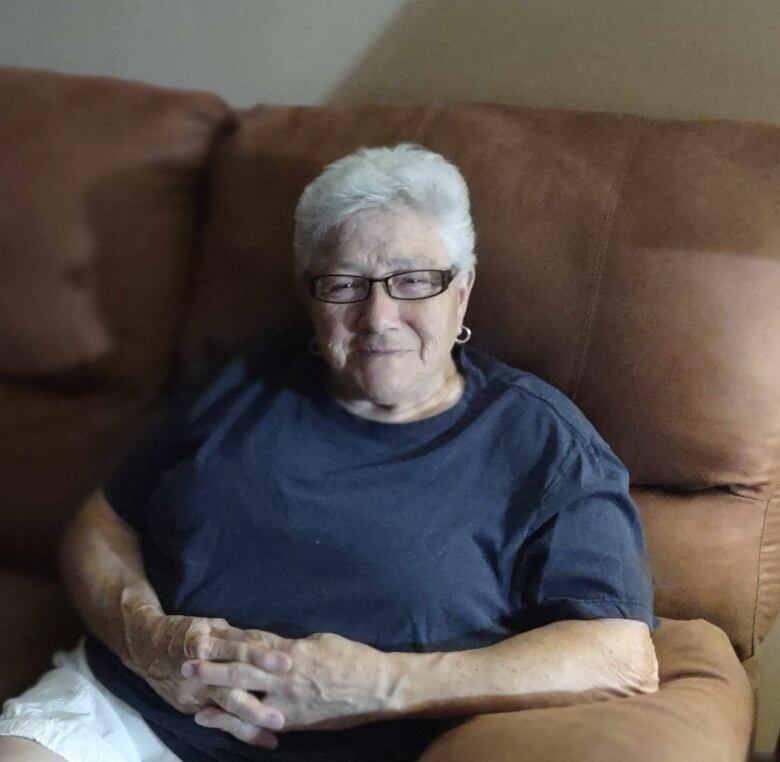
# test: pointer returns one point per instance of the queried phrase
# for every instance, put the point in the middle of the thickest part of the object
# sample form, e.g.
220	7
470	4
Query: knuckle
197	644
271	661
256	654
258	636
242	651
273	720
244	732
234	701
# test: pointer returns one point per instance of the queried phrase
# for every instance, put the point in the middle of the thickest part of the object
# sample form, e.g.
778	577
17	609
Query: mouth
379	352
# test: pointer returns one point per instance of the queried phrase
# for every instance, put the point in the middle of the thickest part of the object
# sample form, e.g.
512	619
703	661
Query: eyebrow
411	263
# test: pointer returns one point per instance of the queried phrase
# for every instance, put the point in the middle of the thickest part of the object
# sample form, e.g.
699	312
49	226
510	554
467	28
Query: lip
372	352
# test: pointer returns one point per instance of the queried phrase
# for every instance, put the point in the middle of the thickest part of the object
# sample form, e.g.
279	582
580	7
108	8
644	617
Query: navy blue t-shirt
262	500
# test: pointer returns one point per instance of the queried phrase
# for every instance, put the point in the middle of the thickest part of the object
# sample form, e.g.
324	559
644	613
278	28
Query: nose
378	311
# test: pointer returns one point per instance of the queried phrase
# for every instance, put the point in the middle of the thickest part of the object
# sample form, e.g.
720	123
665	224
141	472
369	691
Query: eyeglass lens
417	284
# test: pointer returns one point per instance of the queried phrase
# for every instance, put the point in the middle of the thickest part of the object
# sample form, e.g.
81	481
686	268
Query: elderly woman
364	541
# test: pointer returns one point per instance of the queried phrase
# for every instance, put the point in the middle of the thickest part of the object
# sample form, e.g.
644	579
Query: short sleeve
584	556
173	434
130	484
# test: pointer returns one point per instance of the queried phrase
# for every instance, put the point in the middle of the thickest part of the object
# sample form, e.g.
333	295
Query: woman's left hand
332	682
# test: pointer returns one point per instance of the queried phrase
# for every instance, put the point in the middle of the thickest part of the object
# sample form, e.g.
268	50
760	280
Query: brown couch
633	263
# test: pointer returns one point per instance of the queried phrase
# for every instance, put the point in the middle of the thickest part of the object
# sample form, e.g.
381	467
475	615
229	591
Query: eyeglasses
410	284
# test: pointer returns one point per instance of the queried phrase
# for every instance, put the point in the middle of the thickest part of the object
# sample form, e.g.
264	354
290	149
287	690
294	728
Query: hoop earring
313	347
463	335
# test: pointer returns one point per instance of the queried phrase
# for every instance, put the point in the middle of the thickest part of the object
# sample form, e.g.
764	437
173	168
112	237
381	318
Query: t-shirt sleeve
174	432
131	482
584	556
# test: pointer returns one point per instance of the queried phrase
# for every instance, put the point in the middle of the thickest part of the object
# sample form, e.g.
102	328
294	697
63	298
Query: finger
246	707
261	637
196	641
230	632
243	731
233	674
219	649
269	639
197	645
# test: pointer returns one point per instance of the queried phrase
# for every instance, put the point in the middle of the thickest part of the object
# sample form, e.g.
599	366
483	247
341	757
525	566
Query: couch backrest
102	186
633	263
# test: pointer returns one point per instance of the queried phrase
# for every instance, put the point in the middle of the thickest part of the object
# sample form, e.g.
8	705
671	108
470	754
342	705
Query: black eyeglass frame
447	276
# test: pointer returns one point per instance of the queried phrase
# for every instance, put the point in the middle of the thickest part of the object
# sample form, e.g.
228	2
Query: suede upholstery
663	332
702	711
633	263
103	187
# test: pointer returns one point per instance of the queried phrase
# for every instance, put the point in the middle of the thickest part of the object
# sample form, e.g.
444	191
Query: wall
669	58
665	58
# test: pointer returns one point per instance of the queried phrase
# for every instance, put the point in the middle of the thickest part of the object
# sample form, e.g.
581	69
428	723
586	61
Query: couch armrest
703	710
35	620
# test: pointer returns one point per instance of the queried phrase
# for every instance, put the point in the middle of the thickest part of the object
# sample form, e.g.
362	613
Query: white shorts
70	712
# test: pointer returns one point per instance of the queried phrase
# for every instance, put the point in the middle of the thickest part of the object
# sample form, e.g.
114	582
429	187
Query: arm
103	572
561	663
337	683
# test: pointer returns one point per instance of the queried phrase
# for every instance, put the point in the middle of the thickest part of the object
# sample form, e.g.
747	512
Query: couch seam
753	646
601	252
225	129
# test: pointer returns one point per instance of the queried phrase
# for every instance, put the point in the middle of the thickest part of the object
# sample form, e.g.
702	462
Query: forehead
383	241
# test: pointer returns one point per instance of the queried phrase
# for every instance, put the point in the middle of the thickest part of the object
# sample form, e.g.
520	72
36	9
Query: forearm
103	573
559	664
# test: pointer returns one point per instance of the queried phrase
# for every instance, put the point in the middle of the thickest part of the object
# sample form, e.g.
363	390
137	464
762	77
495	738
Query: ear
464	282
302	291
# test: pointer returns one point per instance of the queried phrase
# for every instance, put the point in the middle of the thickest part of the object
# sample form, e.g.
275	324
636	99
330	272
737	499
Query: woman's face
385	350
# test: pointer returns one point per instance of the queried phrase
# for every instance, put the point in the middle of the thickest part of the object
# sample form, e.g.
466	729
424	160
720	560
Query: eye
336	285
410	280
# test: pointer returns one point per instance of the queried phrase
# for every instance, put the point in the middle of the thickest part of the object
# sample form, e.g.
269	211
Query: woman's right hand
103	570
158	644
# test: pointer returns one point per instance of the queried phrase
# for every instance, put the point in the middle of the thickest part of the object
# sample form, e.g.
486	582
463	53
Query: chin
383	394
383	390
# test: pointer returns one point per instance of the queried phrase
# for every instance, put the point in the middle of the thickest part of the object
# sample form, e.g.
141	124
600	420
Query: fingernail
277	662
274	721
187	669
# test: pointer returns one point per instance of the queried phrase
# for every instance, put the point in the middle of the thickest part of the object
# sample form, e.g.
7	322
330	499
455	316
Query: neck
444	394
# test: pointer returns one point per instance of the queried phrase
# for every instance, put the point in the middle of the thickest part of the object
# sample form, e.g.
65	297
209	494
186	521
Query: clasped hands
251	682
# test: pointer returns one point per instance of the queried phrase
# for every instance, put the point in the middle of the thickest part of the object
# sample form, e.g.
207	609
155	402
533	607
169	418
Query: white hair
372	179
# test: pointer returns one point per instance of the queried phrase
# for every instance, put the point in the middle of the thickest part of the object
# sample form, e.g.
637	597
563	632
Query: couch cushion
703	710
101	182
707	561
37	619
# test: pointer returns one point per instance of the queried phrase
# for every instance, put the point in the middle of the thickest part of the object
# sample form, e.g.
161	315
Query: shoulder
534	397
224	383
539	416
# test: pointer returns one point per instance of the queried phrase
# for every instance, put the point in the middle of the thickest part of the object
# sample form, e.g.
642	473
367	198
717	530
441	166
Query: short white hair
371	179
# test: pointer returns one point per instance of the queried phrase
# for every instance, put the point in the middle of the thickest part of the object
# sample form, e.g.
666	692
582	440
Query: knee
16	749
